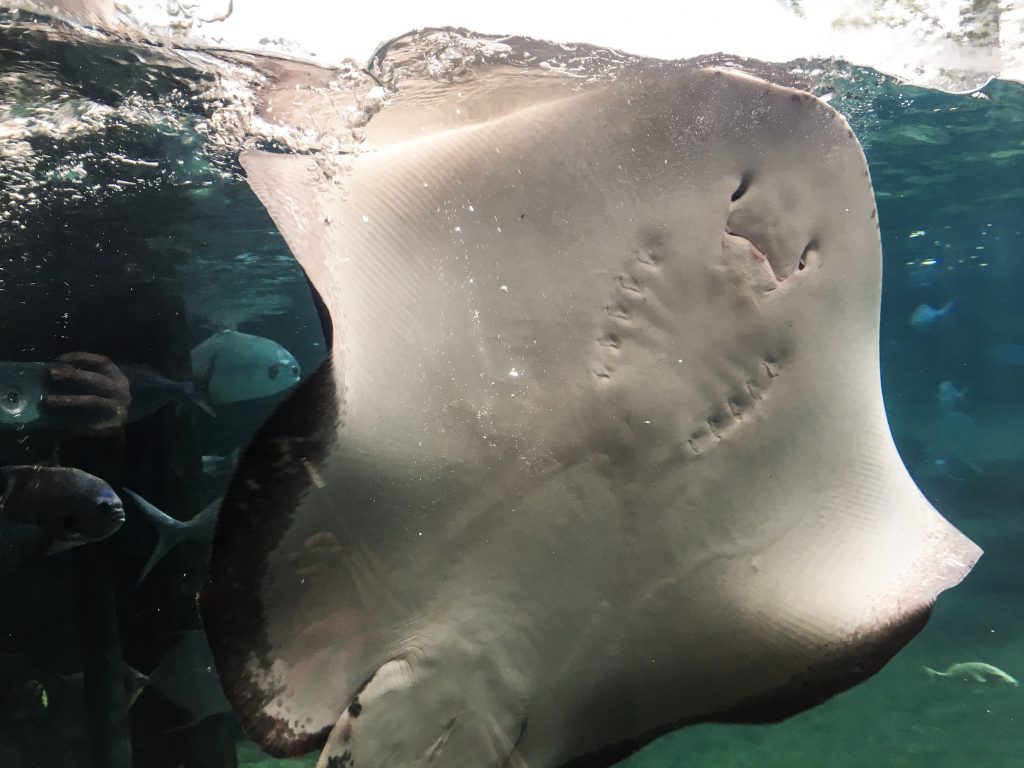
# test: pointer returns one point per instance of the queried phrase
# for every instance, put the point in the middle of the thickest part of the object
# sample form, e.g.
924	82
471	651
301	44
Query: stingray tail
169	532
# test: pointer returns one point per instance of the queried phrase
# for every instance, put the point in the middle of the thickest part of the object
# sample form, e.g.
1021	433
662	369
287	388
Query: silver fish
241	366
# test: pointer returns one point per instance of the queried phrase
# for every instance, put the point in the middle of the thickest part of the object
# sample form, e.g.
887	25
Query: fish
171	531
600	448
974	671
244	367
28	392
1010	355
925	315
46	510
948	395
22	700
186	677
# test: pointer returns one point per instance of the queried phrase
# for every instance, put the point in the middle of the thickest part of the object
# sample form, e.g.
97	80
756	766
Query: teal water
126	226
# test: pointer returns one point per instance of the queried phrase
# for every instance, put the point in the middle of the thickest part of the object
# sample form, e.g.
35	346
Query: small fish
216	466
65	395
949	395
170	531
51	509
1011	355
244	367
950	468
925	315
22	700
974	672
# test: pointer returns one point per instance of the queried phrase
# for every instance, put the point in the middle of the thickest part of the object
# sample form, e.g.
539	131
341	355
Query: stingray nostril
741	190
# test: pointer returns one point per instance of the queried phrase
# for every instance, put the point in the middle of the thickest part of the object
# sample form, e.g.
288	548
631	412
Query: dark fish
1007	354
151	391
44	510
22	700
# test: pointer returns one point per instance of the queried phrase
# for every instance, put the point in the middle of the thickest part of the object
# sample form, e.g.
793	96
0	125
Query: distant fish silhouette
1007	354
925	315
949	395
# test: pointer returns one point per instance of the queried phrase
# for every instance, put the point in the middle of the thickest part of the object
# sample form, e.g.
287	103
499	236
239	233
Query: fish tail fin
199	389
135	683
933	672
169	532
948	308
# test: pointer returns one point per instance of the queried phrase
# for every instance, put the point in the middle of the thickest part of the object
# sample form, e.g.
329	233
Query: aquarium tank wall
470	386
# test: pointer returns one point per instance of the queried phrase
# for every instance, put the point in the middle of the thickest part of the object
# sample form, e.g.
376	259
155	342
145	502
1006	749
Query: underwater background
127	228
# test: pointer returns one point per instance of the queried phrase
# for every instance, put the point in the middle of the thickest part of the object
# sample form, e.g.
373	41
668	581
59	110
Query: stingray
600	449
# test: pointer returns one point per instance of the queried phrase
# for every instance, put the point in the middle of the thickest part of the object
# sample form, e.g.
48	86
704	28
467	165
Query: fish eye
13	401
273	370
295	371
70	522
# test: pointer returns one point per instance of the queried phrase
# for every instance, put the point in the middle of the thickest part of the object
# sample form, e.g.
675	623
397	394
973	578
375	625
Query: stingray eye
70	522
273	370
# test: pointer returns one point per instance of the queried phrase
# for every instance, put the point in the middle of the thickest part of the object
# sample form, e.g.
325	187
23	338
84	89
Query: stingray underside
600	449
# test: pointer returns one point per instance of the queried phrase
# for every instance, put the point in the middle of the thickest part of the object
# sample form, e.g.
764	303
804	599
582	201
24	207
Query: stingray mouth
756	252
755	263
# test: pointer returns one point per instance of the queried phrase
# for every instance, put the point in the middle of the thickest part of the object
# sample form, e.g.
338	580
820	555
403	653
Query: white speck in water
928	262
458	229
366	219
514	373
471	208
503	288
917	233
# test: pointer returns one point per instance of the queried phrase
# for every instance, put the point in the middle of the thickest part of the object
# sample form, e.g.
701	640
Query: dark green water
127	227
